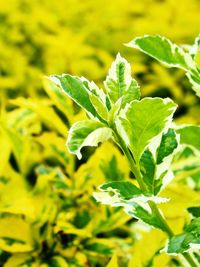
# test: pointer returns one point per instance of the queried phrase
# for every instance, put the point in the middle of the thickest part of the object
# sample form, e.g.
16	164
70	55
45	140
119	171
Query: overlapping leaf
172	55
87	133
189	240
131	198
142	121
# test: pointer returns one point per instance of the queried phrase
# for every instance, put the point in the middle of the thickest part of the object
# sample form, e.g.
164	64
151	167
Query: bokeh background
47	213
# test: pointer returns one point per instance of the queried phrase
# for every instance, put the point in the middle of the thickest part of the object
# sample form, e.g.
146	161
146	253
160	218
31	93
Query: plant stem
158	214
131	161
135	170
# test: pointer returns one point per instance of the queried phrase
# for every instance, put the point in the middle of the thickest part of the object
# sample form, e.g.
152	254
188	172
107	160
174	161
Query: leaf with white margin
195	81
119	81
168	147
86	133
189	240
164	156
148	168
130	197
97	98
196	51
171	55
143	120
168	143
190	135
155	166
76	90
163	50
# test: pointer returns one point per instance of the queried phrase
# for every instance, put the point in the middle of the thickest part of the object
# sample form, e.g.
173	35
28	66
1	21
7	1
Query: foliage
48	216
64	43
147	138
47	212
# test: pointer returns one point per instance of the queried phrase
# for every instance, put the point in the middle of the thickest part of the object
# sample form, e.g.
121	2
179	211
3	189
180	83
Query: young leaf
186	241
97	98
74	87
163	50
143	120
119	81
86	133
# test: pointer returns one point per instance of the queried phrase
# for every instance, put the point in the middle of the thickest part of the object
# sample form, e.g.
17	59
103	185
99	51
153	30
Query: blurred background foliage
47	213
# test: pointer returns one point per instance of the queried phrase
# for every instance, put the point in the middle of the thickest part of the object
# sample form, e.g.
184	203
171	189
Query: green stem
135	170
158	214
131	161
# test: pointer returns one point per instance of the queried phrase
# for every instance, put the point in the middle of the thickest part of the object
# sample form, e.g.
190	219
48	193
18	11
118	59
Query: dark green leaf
167	145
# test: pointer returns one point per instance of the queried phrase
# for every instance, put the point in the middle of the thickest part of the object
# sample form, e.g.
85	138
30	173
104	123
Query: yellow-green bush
47	212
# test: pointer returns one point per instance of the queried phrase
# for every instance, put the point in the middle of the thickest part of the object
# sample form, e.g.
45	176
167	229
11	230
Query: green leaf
146	216
167	145
143	120
163	50
132	93
147	168
186	241
157	173
119	81
86	133
189	135
97	98
171	55
126	189
195	81
75	89
195	211
128	196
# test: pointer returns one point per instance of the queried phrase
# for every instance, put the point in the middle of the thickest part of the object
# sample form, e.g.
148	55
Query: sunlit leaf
142	121
75	89
86	133
190	239
120	83
128	196
163	50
